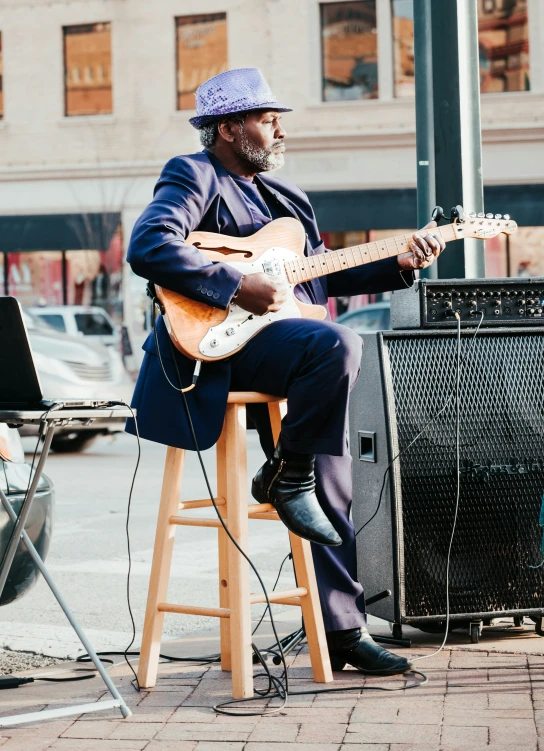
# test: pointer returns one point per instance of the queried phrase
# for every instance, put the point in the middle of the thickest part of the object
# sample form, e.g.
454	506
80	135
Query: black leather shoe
357	648
287	481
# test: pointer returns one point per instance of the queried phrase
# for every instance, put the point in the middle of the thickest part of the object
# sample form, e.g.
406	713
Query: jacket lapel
233	198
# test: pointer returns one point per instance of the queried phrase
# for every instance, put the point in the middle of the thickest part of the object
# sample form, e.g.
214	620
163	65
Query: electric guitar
202	332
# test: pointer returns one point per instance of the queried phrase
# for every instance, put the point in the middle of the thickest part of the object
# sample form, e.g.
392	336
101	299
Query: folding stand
48	423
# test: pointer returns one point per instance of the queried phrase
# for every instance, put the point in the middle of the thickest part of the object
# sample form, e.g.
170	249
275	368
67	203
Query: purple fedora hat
238	90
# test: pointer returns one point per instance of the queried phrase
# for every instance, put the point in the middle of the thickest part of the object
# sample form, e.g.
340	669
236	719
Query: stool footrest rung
168	607
204	503
194	521
287	594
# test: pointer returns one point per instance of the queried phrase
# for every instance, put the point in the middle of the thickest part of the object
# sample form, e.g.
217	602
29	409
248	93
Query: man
307	476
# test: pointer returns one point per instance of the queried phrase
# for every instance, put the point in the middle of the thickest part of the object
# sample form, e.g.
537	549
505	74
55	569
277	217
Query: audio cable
455	394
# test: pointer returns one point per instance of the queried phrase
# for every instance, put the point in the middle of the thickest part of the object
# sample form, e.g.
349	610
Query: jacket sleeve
380	276
157	249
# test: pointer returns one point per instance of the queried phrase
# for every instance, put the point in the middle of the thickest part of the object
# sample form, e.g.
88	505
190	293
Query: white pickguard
240	325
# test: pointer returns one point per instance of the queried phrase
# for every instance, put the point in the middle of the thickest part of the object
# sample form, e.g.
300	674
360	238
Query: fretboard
305	268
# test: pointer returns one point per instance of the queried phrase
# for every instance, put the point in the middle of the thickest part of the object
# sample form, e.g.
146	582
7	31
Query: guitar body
201	332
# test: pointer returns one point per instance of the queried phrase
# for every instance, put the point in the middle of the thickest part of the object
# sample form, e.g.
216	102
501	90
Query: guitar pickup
272	268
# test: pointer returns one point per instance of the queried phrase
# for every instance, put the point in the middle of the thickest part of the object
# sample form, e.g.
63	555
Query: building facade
95	96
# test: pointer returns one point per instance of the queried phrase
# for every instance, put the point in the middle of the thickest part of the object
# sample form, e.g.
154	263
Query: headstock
483	226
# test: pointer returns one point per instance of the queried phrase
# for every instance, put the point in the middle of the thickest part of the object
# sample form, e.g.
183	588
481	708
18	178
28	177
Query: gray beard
263	159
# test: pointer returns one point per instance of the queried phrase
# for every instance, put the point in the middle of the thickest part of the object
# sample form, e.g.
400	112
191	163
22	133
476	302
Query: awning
92	231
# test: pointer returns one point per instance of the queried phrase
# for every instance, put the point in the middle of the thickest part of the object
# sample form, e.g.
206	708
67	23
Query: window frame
224	13
107	116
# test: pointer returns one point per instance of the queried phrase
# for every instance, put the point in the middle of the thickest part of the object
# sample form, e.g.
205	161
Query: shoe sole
373	672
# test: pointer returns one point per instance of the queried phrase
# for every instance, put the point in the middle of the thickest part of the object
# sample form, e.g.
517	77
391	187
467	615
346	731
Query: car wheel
67	443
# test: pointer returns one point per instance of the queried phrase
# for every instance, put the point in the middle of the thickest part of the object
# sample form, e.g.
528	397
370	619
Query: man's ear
226	130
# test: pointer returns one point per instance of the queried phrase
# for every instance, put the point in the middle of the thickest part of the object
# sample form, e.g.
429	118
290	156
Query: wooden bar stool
235	599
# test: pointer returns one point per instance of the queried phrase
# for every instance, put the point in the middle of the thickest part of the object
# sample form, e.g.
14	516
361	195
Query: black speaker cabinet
406	378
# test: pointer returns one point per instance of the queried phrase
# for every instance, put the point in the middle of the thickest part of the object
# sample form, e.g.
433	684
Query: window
87	48
403	47
1	86
349	50
56	320
93	324
201	50
503	33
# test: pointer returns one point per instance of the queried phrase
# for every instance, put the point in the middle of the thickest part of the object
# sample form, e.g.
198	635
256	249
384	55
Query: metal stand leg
20	520
118	700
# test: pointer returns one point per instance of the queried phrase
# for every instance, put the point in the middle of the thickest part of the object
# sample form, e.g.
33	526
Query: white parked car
80	320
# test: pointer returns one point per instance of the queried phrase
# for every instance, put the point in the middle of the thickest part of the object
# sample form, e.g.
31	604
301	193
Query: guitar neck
305	268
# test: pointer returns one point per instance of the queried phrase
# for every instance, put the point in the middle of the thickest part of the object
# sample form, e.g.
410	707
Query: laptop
20	387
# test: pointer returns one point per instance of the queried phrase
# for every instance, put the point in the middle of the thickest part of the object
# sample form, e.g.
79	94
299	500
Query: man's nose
280	131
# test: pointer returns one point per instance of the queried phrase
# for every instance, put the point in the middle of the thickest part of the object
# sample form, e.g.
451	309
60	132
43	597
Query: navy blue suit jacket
196	192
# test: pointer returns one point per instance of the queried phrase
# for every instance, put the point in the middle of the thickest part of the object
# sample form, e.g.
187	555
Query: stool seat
235	599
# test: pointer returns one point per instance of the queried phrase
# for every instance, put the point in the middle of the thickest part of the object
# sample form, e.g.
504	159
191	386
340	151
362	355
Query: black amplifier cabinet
406	378
432	303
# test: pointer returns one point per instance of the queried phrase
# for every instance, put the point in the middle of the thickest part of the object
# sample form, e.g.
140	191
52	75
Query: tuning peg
489	216
438	214
498	216
507	217
481	215
472	215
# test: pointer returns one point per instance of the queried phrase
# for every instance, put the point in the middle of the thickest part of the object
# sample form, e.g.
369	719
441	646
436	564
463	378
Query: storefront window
403	47
503	32
35	278
349	50
201	46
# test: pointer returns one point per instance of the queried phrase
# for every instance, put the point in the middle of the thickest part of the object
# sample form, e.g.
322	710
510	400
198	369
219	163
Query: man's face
261	140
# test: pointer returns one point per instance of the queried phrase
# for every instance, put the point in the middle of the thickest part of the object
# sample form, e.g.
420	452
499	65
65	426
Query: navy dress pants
315	365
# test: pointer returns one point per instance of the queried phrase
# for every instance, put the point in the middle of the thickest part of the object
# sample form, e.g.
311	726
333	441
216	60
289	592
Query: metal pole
457	130
426	199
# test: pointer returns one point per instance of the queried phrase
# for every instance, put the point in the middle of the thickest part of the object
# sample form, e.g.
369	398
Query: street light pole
457	127
423	60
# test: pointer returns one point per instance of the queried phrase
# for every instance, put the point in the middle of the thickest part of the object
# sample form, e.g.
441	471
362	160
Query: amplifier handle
367	446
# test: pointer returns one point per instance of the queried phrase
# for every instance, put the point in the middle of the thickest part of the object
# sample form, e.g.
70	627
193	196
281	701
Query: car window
365	320
54	319
33	322
93	324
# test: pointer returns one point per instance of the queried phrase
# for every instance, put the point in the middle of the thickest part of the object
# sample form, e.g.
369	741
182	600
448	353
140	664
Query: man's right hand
260	295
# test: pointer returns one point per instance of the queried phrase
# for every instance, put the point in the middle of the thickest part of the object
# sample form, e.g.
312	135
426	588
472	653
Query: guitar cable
455	393
278	687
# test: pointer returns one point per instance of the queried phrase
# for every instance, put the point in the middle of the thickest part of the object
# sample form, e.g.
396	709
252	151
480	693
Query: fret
328	258
389	240
355	264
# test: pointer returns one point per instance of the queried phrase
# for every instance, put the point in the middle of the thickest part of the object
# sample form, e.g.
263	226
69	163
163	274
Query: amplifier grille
502	471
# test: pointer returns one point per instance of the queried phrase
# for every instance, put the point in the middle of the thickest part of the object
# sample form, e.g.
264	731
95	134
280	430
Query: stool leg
238	582
223	543
311	609
160	568
303	564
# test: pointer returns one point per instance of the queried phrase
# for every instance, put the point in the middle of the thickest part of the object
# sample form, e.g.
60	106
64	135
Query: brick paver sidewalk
473	700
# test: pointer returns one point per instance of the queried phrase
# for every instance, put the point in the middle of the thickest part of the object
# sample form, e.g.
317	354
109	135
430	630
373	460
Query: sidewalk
476	698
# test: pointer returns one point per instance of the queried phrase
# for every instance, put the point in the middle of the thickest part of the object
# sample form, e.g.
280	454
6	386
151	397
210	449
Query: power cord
456	394
281	684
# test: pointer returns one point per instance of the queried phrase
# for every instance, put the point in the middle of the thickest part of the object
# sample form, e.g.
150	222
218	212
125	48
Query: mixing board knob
447	304
520	302
539	311
531	311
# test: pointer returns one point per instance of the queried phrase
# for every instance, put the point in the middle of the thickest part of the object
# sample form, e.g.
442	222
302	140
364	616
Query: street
88	555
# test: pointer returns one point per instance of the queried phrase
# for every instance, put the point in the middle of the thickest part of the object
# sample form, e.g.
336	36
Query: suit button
210	293
199	288
203	290
216	296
